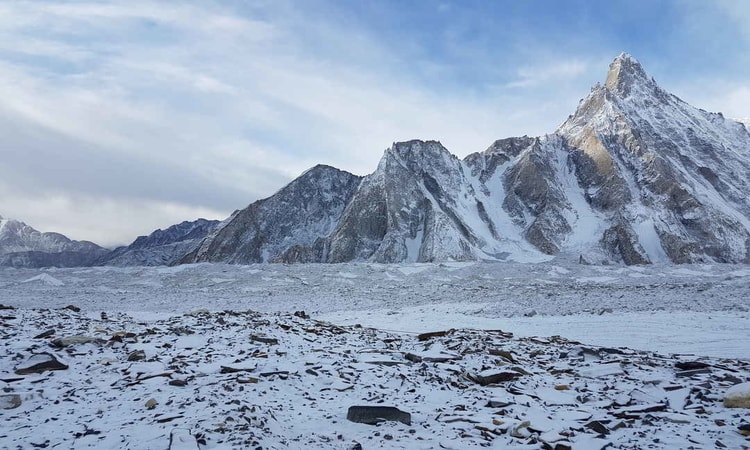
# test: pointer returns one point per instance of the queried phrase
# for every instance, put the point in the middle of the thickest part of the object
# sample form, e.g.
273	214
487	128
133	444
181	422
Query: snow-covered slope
23	246
290	226
162	247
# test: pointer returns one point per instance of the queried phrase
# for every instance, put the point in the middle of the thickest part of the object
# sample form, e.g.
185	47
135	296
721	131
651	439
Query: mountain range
635	175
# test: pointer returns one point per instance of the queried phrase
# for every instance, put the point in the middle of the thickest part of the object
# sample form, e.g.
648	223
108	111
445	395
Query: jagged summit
625	73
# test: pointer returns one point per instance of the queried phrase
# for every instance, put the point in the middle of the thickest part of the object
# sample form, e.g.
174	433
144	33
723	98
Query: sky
118	118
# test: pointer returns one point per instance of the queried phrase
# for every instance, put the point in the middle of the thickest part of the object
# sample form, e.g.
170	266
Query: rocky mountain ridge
23	246
635	175
162	247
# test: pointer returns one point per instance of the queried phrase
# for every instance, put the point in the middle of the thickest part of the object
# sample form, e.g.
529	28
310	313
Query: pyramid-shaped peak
625	72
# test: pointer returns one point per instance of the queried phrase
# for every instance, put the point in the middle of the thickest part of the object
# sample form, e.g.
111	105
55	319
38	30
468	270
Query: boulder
10	401
738	396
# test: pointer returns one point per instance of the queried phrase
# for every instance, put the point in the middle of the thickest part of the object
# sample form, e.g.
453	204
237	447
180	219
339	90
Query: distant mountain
162	247
634	176
23	246
290	226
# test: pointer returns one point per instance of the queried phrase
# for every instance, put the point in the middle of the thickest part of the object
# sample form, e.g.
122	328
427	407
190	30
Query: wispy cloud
554	72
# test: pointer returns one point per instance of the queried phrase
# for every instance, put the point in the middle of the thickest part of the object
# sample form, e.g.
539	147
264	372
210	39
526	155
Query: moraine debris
243	395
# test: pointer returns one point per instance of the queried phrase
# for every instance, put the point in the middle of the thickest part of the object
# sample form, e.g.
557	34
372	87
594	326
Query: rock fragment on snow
264	340
691	365
137	355
493	378
45	334
373	415
39	363
75	340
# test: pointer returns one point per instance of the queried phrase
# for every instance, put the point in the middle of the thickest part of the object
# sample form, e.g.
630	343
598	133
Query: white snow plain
225	376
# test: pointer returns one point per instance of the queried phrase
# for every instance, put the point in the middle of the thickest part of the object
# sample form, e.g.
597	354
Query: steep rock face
424	204
407	210
671	179
535	198
23	246
162	247
290	226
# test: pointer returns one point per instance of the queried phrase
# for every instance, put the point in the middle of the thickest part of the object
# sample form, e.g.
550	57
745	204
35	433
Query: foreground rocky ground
242	379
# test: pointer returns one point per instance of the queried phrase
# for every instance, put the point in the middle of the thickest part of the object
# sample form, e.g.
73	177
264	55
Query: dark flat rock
39	363
373	415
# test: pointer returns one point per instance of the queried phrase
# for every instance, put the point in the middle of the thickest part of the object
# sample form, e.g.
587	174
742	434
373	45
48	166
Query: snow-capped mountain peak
626	74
